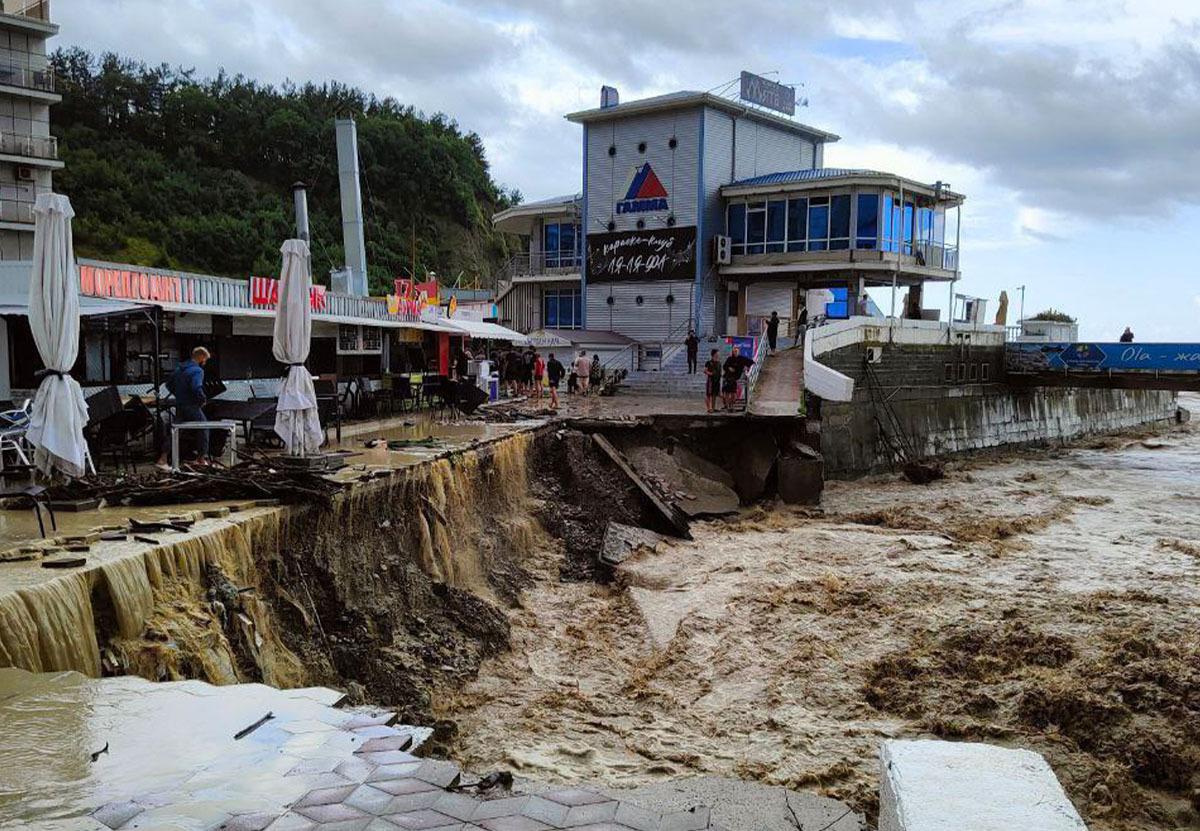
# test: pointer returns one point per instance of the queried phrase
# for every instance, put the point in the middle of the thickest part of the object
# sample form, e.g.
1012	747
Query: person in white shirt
583	369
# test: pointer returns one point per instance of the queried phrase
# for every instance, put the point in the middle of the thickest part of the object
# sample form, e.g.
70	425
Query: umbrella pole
156	378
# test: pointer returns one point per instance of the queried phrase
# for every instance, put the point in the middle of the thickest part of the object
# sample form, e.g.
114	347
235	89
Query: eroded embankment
391	591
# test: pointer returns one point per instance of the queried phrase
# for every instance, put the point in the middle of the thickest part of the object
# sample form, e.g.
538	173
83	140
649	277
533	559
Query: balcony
29	147
33	9
564	264
27	77
14	211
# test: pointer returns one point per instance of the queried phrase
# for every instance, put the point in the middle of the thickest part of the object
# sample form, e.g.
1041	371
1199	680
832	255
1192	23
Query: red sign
128	284
264	291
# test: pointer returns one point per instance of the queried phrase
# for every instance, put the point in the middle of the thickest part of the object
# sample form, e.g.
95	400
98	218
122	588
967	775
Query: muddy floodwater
1047	599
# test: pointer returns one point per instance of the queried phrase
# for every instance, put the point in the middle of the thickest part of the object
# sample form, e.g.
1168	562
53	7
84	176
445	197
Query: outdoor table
231	426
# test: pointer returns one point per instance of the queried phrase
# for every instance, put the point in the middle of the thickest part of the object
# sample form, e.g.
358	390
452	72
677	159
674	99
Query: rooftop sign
765	93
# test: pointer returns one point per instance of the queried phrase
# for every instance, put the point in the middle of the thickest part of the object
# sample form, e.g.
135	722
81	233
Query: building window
797	224
776	226
974	372
866	234
985	371
560	244
962	373
839	308
756	227
735	227
562	308
948	375
818	223
839	222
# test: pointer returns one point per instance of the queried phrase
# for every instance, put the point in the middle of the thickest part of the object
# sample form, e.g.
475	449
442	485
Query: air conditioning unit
874	354
722	249
24	173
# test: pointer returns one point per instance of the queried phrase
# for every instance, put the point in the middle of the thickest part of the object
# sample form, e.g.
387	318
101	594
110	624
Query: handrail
756	367
24	144
619	356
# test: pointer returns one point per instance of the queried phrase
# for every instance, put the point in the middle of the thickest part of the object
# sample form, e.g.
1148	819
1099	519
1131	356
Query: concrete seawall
951	399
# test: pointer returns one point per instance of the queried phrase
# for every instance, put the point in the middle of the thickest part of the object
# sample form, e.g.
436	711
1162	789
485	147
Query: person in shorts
539	372
554	375
583	369
712	381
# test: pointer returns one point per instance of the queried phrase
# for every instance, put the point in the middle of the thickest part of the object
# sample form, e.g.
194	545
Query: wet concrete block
801	478
949	786
751	462
116	814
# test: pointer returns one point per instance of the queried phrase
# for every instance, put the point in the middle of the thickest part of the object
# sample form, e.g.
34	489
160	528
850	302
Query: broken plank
671	513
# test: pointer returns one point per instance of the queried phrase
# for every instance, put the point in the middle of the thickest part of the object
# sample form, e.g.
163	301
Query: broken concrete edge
670	513
948	786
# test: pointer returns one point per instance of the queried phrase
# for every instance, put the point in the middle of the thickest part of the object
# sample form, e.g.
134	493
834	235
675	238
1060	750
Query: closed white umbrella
59	412
296	419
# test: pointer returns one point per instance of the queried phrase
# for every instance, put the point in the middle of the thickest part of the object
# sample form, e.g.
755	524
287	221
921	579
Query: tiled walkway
387	788
124	753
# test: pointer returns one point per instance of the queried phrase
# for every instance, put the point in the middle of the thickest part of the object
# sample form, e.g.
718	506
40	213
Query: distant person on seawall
1127	335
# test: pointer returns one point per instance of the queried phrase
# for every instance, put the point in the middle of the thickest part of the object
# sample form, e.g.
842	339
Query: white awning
485	331
88	306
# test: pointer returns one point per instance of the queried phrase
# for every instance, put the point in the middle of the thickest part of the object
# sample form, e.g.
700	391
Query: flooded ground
1044	599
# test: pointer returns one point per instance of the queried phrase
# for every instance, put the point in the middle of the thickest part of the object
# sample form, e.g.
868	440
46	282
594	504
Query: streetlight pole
1022	316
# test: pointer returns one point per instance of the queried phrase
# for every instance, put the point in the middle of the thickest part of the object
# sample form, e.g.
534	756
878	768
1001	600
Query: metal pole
300	202
1022	315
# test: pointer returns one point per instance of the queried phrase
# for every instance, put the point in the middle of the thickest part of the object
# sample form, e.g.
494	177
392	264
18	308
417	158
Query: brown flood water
1044	599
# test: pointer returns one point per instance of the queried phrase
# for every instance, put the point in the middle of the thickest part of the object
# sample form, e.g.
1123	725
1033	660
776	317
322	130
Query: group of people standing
524	372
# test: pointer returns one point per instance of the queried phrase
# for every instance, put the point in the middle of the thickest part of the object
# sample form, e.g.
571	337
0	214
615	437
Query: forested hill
168	170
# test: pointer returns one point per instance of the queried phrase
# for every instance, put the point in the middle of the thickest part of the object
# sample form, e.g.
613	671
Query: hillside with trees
168	170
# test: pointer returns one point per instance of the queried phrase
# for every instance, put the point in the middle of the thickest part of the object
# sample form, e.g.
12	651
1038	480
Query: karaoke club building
698	210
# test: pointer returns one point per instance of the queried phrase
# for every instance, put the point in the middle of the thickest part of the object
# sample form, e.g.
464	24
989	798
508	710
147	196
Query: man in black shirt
735	366
773	331
693	349
1127	335
554	374
712	381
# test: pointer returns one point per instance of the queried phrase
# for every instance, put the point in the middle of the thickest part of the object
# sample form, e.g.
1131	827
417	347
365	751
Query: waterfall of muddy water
206	604
150	608
1045	600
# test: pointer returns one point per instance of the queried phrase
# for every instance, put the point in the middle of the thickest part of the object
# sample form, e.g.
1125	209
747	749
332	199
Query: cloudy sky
1073	126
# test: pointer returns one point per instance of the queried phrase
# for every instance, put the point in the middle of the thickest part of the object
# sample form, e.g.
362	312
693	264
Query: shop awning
486	331
88	306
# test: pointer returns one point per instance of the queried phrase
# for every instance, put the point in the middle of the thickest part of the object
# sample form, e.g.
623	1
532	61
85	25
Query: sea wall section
947	399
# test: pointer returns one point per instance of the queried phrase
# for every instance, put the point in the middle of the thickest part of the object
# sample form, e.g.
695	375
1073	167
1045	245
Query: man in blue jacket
187	385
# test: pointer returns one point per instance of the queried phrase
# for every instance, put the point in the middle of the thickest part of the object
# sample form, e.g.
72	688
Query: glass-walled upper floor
858	219
561	244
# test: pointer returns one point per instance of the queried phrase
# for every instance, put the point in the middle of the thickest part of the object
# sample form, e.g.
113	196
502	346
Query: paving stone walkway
180	757
388	788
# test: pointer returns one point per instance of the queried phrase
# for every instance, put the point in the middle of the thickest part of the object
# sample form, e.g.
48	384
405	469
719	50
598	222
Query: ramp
779	390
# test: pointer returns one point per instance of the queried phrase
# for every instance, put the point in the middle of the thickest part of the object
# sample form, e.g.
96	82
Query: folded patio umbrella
59	412
296	419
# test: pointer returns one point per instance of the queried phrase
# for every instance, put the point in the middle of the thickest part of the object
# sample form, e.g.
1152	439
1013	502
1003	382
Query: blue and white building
700	211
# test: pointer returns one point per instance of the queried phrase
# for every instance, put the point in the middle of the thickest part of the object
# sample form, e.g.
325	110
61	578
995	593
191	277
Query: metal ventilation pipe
352	215
300	201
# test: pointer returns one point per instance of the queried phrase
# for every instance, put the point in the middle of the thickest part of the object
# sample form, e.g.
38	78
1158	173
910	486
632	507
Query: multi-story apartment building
28	153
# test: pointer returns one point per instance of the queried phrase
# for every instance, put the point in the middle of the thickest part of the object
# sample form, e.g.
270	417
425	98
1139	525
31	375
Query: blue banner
1169	357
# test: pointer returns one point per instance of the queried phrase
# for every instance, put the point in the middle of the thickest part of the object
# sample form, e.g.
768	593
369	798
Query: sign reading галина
758	90
645	192
667	254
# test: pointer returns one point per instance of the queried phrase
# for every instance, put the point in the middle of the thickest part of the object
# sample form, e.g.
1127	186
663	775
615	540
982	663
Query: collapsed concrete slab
622	541
951	786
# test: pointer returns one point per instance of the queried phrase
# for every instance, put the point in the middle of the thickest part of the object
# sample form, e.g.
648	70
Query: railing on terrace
16	75
12	210
933	255
229	293
36	9
542	263
36	147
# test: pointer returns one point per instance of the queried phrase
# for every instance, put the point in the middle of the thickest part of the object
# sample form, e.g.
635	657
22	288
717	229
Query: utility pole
1022	315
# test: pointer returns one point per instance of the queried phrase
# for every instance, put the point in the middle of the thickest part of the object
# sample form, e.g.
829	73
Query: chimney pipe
352	215
300	201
